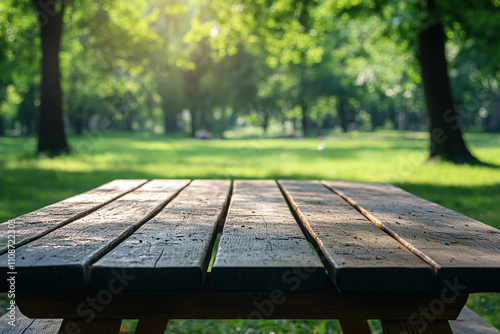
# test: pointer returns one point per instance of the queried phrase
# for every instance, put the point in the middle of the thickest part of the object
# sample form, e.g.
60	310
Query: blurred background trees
289	67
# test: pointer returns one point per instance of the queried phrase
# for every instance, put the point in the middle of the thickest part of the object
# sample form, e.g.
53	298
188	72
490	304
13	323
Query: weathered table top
369	237
289	236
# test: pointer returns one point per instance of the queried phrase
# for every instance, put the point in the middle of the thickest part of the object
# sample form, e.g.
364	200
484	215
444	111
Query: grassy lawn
27	183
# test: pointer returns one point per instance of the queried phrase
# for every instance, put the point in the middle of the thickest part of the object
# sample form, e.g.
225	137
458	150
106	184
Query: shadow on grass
478	202
486	164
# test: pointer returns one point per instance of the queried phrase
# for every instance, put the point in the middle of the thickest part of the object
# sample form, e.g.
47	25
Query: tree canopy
201	67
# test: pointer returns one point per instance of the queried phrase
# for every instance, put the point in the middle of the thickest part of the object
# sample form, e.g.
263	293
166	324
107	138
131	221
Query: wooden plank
464	252
172	250
33	225
210	304
44	326
25	325
262	247
61	260
354	326
97	326
21	322
358	255
469	322
151	326
409	327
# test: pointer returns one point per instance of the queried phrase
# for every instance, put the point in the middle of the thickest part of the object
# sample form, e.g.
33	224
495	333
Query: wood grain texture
358	255
25	325
61	260
415	327
210	304
35	224
172	250
469	322
22	323
463	252
262	247
44	326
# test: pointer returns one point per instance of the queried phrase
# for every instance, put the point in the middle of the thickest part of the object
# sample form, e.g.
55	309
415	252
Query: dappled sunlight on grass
394	157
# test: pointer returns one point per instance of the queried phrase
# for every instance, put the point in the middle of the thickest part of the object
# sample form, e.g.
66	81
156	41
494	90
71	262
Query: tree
51	135
476	66
171	24
444	121
192	79
170	86
430	19
19	63
5	75
283	33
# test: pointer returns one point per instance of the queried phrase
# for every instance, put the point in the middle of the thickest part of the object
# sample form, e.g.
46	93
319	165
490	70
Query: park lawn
27	183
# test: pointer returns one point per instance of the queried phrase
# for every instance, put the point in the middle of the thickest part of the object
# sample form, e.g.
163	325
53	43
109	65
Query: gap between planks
463	252
51	264
36	224
358	255
172	250
261	244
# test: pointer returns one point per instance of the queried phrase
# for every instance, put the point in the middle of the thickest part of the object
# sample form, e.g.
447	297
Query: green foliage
19	63
140	64
246	326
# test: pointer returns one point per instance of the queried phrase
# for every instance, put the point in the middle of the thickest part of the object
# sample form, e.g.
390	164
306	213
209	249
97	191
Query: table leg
416	327
354	326
97	326
151	326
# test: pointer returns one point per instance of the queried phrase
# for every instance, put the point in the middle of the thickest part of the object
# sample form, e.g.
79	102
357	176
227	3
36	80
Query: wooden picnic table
287	250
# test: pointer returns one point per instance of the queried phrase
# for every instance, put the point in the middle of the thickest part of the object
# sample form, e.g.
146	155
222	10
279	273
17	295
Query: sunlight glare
214	31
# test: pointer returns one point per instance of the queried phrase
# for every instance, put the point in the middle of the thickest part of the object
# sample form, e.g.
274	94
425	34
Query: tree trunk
170	116
265	121
403	117
51	135
374	118
193	96
394	117
127	121
341	112
443	119
494	121
303	96
194	119
171	122
2	128
78	120
193	77
78	127
207	119
305	119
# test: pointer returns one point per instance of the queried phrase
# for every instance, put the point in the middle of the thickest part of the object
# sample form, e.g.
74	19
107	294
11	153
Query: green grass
27	183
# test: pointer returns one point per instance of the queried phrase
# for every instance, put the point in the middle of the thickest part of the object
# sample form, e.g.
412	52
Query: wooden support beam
209	304
96	326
